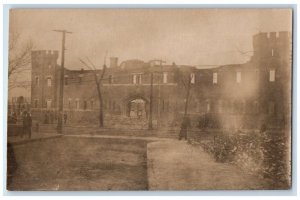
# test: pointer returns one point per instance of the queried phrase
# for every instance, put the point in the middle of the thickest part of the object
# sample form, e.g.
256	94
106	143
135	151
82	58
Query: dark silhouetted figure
12	165
139	114
186	123
263	128
51	117
11	120
65	118
14	117
27	123
37	127
46	121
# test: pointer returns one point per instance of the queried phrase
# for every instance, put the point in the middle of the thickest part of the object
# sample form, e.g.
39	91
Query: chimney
113	62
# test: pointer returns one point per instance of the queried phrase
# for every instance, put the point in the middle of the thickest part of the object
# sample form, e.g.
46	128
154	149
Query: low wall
170	120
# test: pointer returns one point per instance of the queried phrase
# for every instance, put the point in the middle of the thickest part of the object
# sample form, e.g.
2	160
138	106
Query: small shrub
265	155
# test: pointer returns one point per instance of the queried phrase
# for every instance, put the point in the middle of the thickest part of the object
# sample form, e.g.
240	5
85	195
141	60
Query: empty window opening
207	107
271	109
110	79
70	103
84	105
49	103
238	77
36	103
77	104
192	78
49	81
165	77
215	78
137	79
272	75
92	104
37	81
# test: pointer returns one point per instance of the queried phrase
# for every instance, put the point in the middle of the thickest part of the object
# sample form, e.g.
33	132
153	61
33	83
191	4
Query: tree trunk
101	121
98	84
187	97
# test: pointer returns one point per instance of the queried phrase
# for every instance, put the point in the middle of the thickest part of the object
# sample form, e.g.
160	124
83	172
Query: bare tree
98	82
187	85
19	59
15	83
185	124
243	52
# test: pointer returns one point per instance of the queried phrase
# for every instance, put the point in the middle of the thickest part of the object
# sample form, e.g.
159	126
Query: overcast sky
183	36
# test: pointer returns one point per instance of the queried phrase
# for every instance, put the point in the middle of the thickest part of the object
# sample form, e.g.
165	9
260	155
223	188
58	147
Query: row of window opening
137	78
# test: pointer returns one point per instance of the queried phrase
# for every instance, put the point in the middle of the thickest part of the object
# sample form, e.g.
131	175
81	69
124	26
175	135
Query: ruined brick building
238	95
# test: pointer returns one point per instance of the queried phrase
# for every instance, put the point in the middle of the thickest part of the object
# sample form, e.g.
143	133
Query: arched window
84	105
49	81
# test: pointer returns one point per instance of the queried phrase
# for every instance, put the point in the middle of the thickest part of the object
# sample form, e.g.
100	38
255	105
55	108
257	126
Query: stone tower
273	57
44	87
272	45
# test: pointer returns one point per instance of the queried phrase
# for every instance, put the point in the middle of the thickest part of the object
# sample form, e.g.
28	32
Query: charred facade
238	95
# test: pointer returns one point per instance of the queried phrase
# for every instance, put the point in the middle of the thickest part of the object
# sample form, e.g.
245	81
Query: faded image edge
149	99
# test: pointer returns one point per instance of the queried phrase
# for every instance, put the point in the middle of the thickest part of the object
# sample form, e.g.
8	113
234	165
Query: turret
43	79
273	44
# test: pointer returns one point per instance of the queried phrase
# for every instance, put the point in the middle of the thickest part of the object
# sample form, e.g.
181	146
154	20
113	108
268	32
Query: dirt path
176	165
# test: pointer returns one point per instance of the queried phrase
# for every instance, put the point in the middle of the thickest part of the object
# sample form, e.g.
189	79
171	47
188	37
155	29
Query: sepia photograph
149	99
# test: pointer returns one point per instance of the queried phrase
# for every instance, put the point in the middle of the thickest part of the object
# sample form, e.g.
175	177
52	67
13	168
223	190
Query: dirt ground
80	164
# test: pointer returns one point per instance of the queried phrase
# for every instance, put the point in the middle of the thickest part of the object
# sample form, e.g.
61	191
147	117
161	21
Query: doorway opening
137	109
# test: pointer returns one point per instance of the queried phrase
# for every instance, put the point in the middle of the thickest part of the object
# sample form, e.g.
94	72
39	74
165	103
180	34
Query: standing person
184	127
263	128
11	120
25	124
51	117
29	123
139	114
15	117
37	127
12	165
65	118
46	121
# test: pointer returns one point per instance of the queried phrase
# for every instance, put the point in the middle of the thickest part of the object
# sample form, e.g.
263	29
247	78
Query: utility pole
160	81
61	82
187	96
150	127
